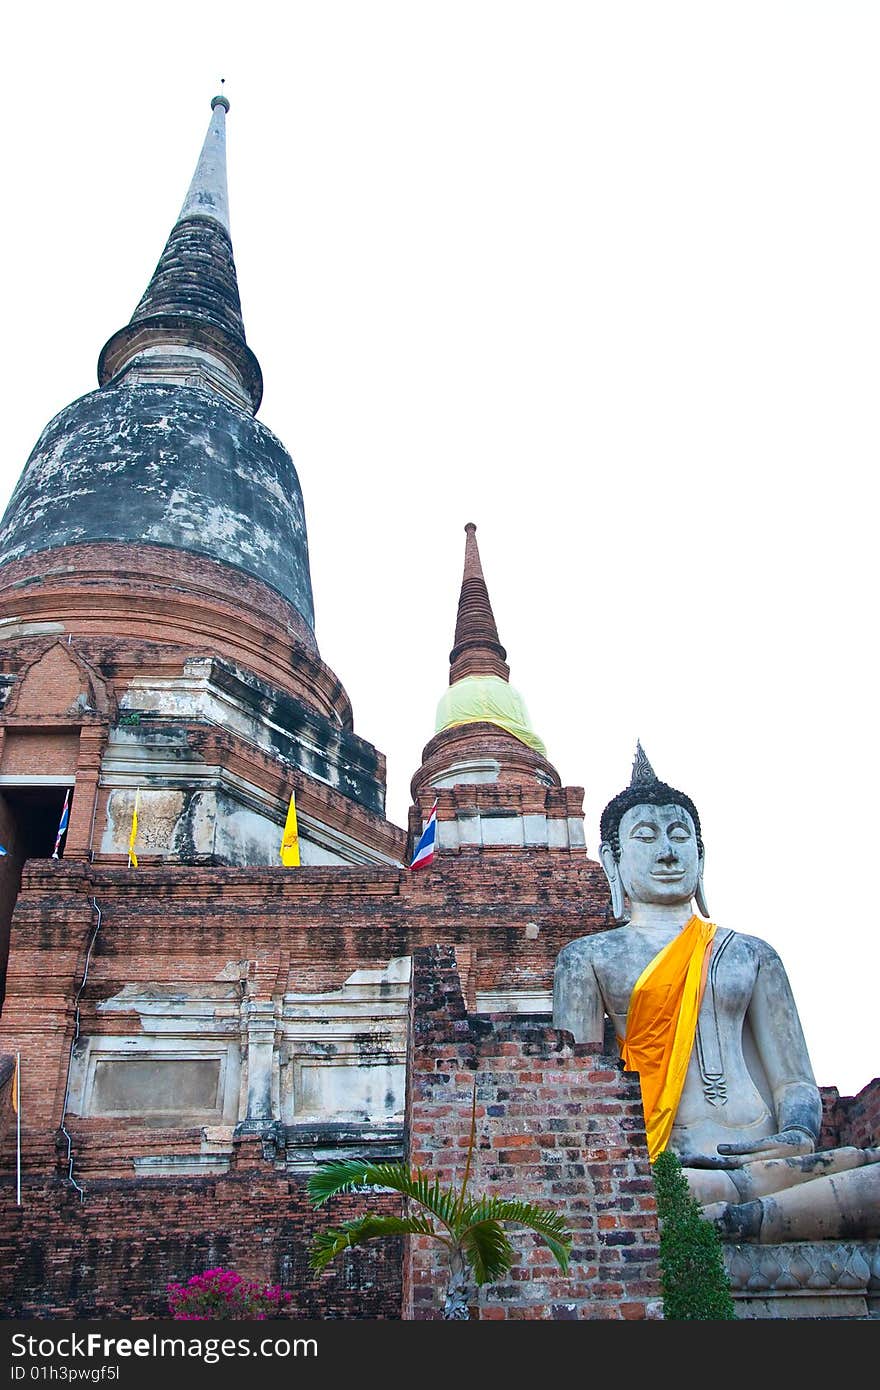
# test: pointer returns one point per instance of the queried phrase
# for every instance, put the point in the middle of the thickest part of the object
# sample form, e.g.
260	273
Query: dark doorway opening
29	821
36	814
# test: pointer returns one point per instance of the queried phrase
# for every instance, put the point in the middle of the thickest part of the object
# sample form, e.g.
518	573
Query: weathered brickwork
10	879
851	1119
7	1113
176	929
55	752
152	597
557	1125
114	1254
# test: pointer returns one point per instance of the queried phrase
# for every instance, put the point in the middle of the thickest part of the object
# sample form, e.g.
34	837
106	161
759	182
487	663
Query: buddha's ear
700	893
612	873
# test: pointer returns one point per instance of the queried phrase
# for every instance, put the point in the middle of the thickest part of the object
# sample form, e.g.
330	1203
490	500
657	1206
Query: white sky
602	278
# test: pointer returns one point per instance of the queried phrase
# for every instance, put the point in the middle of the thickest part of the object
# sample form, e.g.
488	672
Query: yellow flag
132	857
15	1086
290	841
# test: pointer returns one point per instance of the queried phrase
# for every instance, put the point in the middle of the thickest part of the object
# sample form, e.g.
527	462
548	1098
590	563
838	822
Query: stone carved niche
157	1085
59	682
343	1054
214	1057
172	1082
180	1066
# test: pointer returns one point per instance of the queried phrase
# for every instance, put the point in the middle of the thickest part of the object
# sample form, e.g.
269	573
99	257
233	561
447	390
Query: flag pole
18	1130
62	824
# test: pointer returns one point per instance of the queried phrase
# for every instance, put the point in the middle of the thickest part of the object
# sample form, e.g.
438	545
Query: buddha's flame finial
642	774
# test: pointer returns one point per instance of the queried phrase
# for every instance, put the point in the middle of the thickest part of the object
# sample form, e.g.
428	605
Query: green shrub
692	1273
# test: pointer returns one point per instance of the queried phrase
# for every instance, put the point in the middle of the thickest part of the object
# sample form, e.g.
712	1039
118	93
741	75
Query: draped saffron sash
661	1023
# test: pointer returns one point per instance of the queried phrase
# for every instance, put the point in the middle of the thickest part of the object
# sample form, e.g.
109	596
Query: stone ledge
805	1279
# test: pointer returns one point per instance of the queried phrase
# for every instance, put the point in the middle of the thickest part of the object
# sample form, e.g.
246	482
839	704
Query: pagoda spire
208	194
482	729
188	325
476	649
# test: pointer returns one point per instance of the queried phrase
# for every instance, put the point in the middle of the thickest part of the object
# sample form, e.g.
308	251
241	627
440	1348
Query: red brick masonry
113	1255
557	1125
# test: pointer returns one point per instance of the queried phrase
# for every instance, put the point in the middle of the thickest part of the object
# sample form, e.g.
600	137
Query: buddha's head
652	849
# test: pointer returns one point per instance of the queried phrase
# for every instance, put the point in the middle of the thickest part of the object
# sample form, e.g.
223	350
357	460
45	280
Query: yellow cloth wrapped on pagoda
489	699
661	1024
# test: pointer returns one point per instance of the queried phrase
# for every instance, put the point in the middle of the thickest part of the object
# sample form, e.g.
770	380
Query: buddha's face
659	856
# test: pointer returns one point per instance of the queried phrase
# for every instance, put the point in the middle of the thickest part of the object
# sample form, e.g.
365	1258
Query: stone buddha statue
707	1018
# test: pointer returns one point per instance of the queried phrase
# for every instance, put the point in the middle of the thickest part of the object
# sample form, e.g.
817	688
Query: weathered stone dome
166	465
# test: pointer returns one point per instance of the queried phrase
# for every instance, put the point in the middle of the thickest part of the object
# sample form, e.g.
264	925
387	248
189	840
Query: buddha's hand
698	1160
789	1143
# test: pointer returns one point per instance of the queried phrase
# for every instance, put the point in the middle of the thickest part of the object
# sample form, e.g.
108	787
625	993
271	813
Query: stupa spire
208	194
482	729
476	649
188	326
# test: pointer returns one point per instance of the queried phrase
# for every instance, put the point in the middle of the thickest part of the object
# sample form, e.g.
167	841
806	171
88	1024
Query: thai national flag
425	848
62	824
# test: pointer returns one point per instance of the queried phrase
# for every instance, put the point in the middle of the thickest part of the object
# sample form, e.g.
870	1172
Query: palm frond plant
472	1229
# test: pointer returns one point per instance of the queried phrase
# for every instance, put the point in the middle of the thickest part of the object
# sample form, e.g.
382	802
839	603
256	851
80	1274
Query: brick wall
149	597
557	1125
7	1114
114	1254
851	1119
177	928
10	879
55	754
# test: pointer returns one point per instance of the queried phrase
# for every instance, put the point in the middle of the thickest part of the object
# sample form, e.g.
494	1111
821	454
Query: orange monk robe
661	1024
